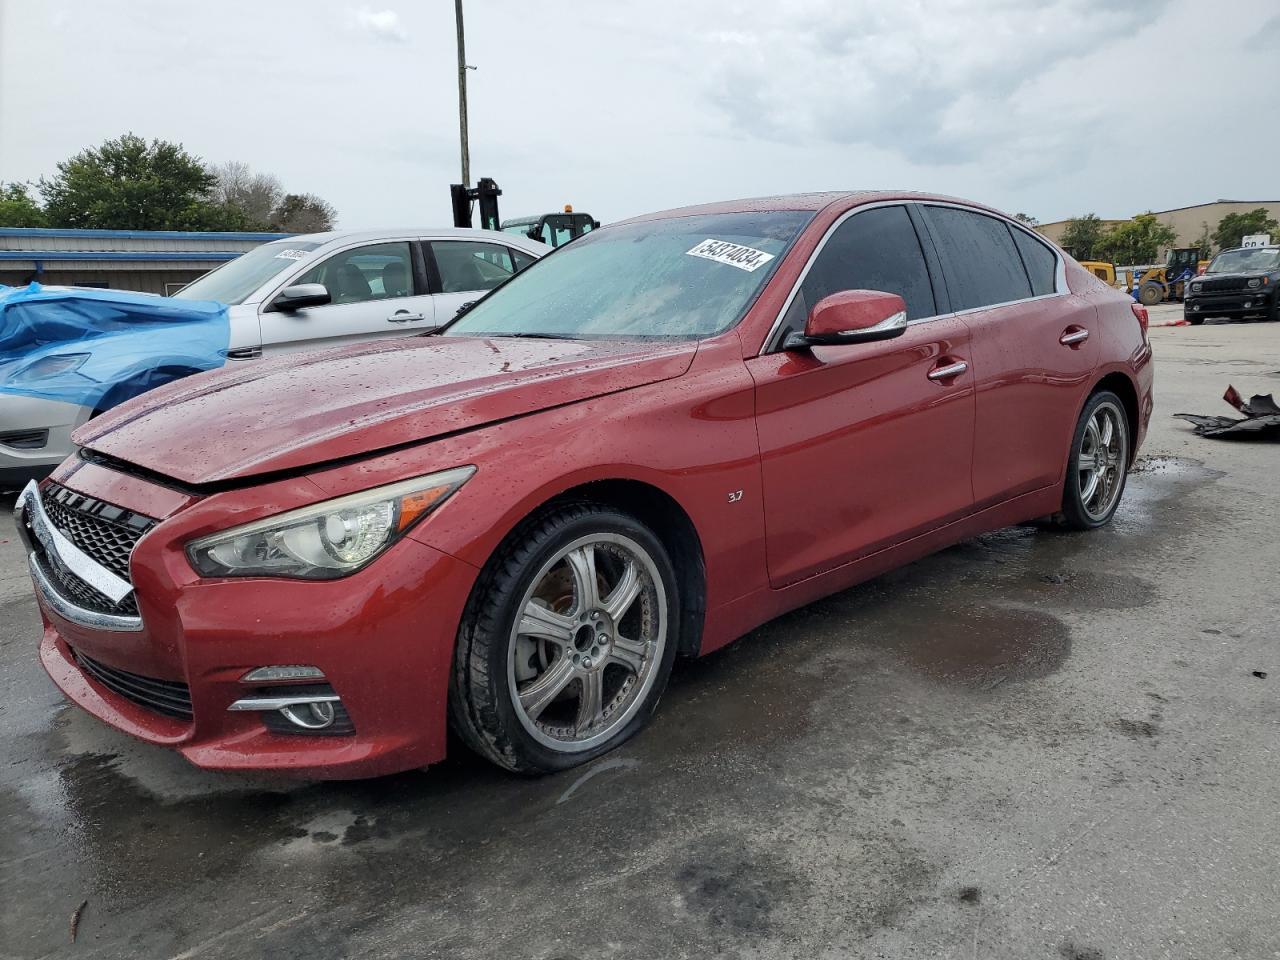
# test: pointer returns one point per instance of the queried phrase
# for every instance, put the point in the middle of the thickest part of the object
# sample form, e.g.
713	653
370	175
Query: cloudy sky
1052	107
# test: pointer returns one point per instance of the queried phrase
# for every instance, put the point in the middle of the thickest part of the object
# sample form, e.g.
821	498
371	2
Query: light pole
462	96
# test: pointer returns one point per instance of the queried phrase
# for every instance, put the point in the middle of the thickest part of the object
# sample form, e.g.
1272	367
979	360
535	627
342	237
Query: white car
301	293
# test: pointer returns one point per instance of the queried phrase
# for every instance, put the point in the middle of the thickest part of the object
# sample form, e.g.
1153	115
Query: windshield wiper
533	336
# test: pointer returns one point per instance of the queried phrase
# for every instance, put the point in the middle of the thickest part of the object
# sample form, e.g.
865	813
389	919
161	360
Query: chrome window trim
1060	288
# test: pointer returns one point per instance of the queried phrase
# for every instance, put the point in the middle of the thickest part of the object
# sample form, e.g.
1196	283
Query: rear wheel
567	642
1099	463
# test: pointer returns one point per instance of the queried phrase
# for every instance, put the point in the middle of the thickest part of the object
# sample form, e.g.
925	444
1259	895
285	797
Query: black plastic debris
1260	674
1261	419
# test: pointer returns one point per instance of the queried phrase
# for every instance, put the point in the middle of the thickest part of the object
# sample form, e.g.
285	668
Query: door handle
948	371
1073	335
404	316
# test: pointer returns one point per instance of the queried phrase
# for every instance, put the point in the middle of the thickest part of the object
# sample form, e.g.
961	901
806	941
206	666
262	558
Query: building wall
1187	222
149	261
163	282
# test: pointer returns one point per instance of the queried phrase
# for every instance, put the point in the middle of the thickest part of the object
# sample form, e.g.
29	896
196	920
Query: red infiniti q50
643	446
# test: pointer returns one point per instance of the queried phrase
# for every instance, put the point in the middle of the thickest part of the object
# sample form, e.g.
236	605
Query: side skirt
731	620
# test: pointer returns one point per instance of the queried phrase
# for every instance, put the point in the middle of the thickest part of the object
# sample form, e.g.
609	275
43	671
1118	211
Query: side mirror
851	316
302	295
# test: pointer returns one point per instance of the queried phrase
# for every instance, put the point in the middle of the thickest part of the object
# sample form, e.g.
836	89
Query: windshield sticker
291	254
734	254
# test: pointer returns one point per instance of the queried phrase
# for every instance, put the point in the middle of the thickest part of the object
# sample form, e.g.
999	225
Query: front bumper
1234	303
383	639
52	420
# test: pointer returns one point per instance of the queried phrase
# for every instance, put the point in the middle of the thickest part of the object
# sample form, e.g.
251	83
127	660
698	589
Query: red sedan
669	432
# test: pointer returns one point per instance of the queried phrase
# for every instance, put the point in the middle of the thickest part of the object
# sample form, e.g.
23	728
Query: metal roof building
1187	222
152	261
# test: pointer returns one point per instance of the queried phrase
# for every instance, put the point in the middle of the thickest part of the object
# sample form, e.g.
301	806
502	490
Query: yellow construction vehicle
1155	283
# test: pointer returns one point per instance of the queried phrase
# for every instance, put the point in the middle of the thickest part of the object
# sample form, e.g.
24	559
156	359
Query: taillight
1140	312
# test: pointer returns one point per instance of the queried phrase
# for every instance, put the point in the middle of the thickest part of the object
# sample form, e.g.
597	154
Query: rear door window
981	263
1040	261
875	249
466	265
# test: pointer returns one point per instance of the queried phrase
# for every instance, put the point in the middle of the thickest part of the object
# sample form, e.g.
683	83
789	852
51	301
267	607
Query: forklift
553	229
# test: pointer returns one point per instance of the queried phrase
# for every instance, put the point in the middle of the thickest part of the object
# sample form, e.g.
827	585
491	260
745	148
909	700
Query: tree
1081	236
1234	227
1026	218
255	195
18	209
129	184
1138	241
303	213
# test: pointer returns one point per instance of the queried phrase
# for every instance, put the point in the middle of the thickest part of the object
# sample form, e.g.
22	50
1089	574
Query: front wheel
1099	463
567	642
1150	294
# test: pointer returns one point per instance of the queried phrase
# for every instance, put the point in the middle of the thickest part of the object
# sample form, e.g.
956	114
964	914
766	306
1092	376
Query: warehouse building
1189	223
151	261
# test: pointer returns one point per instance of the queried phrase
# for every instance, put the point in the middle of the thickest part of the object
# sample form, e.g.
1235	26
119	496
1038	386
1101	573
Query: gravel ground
1032	745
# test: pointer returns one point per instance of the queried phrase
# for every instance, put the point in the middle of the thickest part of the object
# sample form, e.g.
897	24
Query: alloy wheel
587	643
1102	460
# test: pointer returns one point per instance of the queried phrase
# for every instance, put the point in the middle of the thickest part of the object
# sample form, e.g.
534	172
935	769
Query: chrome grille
169	697
105	532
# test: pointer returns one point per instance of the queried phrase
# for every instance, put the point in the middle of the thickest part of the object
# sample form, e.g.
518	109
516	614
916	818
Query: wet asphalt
1032	745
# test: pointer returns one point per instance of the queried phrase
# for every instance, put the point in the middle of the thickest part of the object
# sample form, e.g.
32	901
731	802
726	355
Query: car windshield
1245	261
237	279
682	277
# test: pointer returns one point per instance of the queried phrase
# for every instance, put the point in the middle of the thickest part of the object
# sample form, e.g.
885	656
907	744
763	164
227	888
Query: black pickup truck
1238	283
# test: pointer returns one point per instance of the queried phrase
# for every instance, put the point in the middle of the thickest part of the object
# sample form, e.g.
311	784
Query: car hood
307	409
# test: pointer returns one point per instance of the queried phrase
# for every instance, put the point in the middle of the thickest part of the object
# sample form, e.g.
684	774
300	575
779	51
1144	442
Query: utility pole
462	96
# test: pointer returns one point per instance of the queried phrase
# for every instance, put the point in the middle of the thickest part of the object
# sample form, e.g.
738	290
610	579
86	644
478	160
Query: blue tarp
99	348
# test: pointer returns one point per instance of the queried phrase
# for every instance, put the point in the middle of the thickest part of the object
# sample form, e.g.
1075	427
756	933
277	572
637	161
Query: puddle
980	646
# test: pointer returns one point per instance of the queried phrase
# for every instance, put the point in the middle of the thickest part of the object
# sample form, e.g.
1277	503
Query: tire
584	707
1150	294
1086	506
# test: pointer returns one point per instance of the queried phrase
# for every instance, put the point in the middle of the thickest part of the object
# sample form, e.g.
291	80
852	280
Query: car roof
454	233
1269	246
803	201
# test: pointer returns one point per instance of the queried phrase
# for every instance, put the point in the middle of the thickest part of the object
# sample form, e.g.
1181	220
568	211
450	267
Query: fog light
314	715
312	708
1196	308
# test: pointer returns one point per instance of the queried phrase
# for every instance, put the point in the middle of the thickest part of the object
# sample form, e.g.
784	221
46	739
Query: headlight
50	367
1255	282
1195	287
328	540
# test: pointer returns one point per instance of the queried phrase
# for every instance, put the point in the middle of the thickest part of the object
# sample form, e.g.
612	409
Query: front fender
694	439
